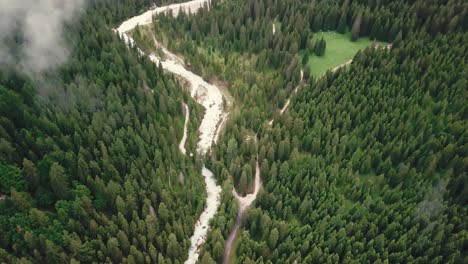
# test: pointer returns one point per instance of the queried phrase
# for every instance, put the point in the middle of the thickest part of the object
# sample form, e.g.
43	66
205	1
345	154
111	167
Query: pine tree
58	180
273	238
323	47
342	24
307	71
305	58
355	31
206	259
398	38
173	247
30	173
320	47
243	183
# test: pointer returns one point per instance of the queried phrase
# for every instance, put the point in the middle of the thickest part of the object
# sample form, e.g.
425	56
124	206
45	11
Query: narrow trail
285	107
204	93
211	98
244	203
184	137
341	66
389	46
232	236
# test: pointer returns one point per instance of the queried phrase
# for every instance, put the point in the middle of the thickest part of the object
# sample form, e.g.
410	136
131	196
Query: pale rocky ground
204	93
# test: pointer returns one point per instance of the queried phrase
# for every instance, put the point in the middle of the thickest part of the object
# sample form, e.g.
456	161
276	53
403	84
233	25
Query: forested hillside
369	164
365	163
89	165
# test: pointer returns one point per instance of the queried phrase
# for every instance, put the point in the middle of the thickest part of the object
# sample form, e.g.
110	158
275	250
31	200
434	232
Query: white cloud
40	23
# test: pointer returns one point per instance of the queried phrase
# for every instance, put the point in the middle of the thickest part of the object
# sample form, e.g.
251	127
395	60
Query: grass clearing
340	49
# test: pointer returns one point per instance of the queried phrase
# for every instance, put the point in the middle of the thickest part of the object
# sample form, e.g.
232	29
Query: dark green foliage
320	47
377	175
368	165
354	171
342	24
86	164
307	71
10	177
305	58
356	29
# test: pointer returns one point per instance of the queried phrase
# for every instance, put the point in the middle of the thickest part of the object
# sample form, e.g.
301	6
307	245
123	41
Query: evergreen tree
320	47
273	238
356	29
305	58
342	24
58	180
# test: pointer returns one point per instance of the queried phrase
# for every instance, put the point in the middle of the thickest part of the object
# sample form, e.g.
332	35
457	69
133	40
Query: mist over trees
90	171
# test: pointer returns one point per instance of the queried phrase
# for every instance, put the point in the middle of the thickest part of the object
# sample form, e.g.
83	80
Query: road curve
232	236
244	203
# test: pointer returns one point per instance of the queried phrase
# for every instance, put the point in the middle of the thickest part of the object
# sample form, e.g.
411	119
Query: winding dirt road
244	203
232	236
211	98
341	66
285	107
389	46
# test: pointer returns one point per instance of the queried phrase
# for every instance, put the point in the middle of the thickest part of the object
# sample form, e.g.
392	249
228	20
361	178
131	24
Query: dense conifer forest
89	165
366	163
369	164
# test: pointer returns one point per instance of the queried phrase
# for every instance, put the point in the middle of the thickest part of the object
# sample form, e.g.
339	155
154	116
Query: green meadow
340	49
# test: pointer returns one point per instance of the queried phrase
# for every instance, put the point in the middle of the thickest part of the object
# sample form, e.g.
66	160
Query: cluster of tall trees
235	39
246	26
320	46
375	166
89	165
369	165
